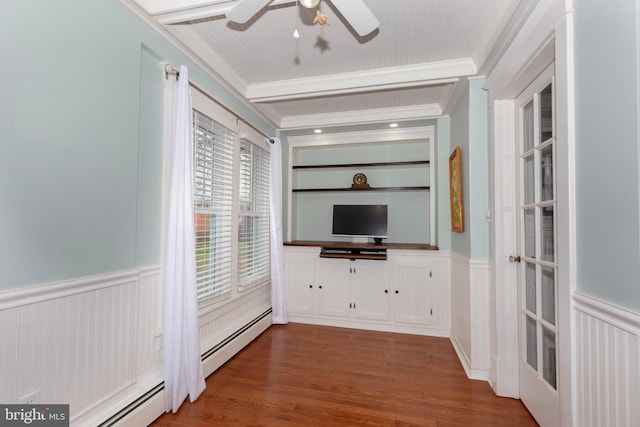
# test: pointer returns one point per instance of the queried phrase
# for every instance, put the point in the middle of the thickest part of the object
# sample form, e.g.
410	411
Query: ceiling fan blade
245	9
357	15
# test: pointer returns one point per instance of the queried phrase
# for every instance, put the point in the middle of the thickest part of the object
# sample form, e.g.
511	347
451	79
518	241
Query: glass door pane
530	297
549	356
527	127
529	233
532	343
546	173
548	297
546	114
529	179
547	233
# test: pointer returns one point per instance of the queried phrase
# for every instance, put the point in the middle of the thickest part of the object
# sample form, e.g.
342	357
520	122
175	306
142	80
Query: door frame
544	37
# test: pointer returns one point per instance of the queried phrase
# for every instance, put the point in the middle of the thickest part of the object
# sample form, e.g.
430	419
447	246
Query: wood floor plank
308	375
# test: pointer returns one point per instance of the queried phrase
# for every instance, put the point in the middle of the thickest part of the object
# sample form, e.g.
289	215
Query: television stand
354	251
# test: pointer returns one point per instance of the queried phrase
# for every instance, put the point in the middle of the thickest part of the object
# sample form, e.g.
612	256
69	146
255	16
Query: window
213	202
253	225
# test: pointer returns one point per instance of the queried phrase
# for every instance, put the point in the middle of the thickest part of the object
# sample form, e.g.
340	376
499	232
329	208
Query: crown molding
203	10
209	56
159	7
361	116
519	15
426	74
233	88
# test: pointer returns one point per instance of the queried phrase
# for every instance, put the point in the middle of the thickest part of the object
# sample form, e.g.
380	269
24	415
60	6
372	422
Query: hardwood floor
306	375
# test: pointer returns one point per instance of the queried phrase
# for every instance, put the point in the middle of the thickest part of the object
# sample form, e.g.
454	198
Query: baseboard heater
158	388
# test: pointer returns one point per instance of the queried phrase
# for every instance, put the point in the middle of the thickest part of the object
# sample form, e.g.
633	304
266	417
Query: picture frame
455	191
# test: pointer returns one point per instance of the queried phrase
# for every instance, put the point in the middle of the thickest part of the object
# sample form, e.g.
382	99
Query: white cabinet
334	286
405	293
370	288
413	303
300	280
353	289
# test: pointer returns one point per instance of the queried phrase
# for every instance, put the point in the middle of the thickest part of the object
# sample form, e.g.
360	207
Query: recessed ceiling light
309	3
317	131
393	125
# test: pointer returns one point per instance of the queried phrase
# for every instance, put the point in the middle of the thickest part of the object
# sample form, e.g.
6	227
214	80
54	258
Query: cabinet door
412	294
371	290
333	288
301	289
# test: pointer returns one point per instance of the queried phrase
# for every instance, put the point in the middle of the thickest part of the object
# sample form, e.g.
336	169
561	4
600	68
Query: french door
537	276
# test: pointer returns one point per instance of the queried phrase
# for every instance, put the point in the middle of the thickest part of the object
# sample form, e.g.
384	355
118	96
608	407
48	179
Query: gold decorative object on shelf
360	181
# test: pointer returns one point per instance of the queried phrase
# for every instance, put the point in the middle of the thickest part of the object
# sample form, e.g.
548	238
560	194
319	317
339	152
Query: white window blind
253	228
213	198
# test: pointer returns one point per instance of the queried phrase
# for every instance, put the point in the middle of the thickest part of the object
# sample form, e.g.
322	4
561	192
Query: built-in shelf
363	165
391	167
416	188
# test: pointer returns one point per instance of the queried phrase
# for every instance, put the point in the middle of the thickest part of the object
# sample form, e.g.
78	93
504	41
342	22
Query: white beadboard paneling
220	322
9	337
607	364
149	322
470	314
460	306
96	343
73	342
479	276
92	333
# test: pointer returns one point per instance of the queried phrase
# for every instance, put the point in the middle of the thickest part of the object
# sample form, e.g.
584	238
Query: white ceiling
411	67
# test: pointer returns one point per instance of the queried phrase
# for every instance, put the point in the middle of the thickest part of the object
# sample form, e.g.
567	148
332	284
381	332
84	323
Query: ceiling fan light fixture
309	4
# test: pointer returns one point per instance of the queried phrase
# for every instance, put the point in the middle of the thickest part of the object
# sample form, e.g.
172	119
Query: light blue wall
79	132
149	202
478	171
443	225
607	151
469	131
461	242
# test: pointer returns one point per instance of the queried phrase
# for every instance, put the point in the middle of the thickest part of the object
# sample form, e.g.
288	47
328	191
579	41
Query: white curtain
182	364
279	315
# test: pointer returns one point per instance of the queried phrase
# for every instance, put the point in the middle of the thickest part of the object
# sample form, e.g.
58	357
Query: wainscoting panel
607	364
220	323
470	315
70	346
96	344
461	310
149	321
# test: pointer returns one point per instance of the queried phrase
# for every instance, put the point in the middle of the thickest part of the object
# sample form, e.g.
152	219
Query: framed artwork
455	191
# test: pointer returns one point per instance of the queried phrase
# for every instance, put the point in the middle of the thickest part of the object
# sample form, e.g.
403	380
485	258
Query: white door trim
546	35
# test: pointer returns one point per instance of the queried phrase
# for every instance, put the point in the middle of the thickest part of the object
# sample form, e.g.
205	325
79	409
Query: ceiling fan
354	11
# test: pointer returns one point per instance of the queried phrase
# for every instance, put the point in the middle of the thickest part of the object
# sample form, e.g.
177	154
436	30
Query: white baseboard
472	374
370	326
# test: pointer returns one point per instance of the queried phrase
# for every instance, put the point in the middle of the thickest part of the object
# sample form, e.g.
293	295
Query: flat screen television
360	221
